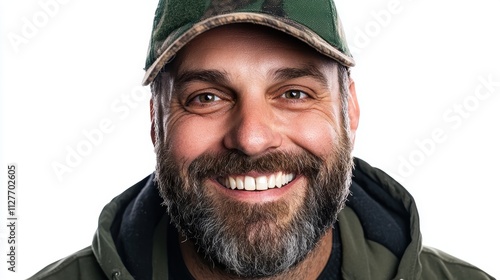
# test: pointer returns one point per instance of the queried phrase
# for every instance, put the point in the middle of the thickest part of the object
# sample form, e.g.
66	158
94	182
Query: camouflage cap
179	21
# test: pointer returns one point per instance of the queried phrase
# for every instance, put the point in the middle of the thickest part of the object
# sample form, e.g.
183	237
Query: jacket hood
383	214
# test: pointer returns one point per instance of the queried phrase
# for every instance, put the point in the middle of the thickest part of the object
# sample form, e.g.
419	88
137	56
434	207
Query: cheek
317	132
190	136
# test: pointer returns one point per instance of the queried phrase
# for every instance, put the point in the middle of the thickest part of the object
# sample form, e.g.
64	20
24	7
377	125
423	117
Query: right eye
207	102
204	98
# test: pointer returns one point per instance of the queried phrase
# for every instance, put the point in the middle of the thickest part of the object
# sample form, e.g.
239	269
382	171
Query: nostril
253	142
252	128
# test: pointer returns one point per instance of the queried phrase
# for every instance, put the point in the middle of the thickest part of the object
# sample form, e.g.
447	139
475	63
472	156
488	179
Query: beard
254	239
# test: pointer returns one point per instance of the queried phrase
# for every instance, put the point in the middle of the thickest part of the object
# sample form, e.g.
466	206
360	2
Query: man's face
255	163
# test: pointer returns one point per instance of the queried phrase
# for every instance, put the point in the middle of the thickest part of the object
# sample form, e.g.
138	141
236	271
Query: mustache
233	162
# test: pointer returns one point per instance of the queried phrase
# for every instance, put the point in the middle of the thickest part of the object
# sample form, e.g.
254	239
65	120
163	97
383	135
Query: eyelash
291	94
302	94
214	98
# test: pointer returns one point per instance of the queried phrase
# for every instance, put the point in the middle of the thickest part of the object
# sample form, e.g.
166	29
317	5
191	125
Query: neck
310	268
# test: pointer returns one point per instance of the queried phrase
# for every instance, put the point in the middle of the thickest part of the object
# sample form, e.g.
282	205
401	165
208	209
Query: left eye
294	94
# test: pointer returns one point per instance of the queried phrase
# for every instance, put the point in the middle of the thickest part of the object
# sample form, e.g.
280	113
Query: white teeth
260	183
249	183
232	183
278	180
239	183
272	181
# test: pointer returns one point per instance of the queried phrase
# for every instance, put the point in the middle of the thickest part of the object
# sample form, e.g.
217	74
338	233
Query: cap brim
168	50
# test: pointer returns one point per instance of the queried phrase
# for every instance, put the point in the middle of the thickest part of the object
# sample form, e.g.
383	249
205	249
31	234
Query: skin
250	90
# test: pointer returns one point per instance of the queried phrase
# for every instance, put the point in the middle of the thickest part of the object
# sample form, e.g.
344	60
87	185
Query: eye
204	98
295	94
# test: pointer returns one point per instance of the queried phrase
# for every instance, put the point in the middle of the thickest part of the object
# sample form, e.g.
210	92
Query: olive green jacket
362	258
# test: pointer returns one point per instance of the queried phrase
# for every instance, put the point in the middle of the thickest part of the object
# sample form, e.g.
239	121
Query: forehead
247	39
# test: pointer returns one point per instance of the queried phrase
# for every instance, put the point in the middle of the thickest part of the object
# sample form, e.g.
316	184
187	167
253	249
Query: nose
254	129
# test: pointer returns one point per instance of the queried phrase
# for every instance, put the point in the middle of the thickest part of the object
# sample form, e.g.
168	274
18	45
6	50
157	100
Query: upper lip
257	183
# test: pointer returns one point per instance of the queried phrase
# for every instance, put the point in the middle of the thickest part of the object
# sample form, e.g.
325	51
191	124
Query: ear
152	117
353	110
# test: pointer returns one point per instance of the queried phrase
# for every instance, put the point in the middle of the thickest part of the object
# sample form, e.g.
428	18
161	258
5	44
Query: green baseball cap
177	22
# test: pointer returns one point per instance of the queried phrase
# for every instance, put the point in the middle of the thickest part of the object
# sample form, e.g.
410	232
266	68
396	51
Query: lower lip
268	195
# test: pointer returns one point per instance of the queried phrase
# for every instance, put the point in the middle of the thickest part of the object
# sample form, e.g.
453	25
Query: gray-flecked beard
253	240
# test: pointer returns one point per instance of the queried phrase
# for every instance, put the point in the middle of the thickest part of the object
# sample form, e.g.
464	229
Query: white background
81	64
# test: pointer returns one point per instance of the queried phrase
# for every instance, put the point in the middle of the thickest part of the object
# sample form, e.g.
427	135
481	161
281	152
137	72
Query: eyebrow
210	76
221	77
308	70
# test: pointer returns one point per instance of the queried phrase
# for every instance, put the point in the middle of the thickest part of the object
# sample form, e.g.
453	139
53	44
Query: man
254	118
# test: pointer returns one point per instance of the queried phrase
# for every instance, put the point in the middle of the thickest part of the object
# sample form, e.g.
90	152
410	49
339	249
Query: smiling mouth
261	183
